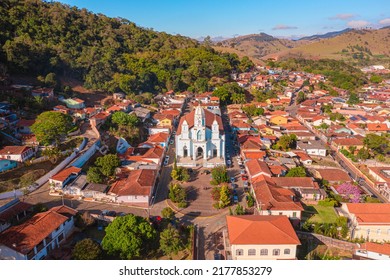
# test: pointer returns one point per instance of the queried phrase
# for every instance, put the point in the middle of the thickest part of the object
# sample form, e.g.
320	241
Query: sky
230	18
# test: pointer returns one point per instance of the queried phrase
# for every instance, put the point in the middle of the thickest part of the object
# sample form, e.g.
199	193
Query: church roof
209	119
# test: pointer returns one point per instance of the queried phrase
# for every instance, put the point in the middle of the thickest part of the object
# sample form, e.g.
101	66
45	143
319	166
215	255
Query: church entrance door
199	152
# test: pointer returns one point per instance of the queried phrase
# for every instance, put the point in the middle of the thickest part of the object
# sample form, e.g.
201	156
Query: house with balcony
38	236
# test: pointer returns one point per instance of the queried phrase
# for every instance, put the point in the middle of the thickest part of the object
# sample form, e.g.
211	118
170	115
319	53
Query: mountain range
358	47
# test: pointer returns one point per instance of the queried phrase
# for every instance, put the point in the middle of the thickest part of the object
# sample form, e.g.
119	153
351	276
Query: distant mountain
256	46
357	47
326	35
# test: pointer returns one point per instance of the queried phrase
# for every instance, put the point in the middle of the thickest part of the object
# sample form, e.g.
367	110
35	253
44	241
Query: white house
35	238
136	188
200	139
312	147
59	180
372	251
370	221
260	238
16	153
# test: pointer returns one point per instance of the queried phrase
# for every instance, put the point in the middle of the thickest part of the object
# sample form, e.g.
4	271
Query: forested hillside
38	38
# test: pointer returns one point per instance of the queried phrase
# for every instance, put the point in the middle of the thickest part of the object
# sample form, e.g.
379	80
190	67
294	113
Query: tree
252	110
246	64
219	175
250	200
180	174
170	241
239	210
128	237
224	199
178	195
363	154
51	80
50	126
349	192
301	97
167	213
286	142
296	172
123	119
353	99
376	79
378	144
107	164
94	175
87	249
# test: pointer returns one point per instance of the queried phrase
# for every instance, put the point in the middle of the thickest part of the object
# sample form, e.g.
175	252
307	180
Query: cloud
342	17
283	27
358	23
385	21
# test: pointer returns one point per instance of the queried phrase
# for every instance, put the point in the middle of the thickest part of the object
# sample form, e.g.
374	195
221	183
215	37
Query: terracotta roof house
304	187
332	175
345	143
256	168
377	127
260	238
59	180
160	139
274	200
16	153
368	220
382	179
372	251
137	188
13	211
35	238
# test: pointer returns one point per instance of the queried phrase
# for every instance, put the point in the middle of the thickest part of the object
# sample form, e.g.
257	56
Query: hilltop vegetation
39	38
339	73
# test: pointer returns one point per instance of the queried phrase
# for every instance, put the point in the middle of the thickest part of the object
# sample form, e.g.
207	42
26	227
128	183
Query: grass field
321	214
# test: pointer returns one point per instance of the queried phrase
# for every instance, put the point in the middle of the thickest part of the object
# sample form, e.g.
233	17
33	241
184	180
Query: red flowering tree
349	192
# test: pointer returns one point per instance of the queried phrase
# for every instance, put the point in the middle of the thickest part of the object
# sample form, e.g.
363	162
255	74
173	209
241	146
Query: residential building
137	188
312	147
372	251
38	236
260	238
13	210
16	153
59	180
382	179
370	221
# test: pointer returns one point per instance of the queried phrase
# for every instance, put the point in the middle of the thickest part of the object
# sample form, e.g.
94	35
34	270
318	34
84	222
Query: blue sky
229	18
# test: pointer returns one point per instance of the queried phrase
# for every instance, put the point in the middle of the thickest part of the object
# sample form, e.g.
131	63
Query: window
252	252
294	214
388	232
287	251
276	252
239	252
368	231
60	237
264	252
280	213
378	231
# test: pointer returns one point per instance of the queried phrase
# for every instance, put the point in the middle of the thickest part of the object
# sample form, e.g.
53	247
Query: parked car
172	141
246	184
229	162
246	189
109	213
242	172
166	161
232	179
242	166
244	178
234	186
235	198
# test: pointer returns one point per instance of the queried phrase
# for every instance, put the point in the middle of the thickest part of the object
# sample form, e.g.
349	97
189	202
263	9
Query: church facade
200	139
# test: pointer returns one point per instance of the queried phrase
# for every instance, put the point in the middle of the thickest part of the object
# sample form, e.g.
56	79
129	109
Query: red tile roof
64	174
375	247
348	142
382	127
370	213
290	182
190	118
254	155
261	230
334	175
25	123
139	182
14	210
24	237
158	137
256	167
13	150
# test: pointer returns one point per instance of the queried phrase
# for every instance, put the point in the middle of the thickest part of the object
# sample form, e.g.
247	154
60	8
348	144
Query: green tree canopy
379	144
107	164
87	249
50	126
167	213
128	237
177	194
123	119
170	241
94	175
286	142
296	172
219	175
353	99
224	198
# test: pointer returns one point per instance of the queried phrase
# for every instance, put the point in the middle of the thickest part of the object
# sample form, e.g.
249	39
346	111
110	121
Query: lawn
321	214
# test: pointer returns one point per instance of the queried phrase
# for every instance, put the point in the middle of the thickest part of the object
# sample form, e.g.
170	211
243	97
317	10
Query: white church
200	139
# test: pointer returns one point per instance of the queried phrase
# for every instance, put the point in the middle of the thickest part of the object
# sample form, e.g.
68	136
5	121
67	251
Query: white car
229	162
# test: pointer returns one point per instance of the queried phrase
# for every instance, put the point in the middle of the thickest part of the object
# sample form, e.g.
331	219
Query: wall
371	255
287	213
281	247
9	254
86	155
374	235
133	198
